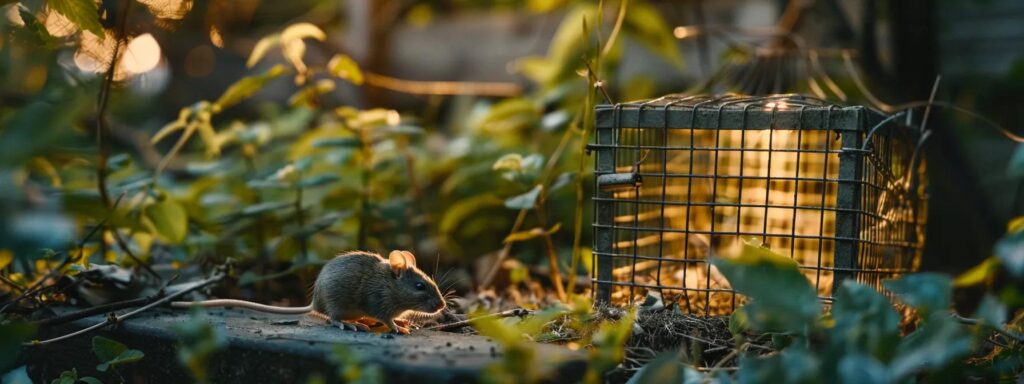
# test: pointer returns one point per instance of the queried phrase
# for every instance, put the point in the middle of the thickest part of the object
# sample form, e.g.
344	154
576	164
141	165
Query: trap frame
679	179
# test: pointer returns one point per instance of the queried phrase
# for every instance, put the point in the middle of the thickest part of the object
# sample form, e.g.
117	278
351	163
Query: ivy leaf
113	353
526	200
782	298
927	292
343	67
665	369
860	368
1010	251
83	13
11	337
169	219
865	321
246	87
991	312
939	340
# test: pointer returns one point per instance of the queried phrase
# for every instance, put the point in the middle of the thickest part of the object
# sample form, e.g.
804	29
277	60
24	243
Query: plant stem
556	275
113	318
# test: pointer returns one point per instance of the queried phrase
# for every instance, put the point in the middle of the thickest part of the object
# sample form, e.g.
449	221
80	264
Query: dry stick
518	312
549	245
971	321
113	318
105	308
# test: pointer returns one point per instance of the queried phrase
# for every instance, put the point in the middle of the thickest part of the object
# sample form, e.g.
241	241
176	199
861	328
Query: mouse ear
410	259
397	261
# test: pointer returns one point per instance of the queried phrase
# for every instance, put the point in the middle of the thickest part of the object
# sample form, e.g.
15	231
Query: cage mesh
681	179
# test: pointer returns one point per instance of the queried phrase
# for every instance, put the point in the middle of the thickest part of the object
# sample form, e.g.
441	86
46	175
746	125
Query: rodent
357	286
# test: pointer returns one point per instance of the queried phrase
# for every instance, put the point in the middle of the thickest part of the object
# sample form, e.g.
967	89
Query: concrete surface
265	348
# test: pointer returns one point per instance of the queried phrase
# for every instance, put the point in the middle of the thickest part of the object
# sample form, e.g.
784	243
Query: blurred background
299	167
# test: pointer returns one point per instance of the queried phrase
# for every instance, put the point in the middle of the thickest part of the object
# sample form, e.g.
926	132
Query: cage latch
614	182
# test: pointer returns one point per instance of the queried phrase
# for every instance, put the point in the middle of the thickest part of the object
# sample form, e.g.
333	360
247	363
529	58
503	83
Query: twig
443	87
518	312
113	318
1000	330
97	310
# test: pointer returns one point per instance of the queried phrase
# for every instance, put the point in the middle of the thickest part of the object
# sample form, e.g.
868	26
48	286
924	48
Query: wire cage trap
679	179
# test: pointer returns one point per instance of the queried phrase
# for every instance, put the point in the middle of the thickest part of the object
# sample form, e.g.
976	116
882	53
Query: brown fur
358	285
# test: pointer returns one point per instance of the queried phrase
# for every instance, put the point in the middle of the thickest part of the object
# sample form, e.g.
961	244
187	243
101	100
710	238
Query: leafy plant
113	354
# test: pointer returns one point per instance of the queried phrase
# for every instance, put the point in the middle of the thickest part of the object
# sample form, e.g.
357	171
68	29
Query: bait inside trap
679	179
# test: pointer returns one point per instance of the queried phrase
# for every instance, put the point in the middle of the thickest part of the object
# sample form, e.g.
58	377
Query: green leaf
66	377
16	376
792	365
859	368
562	180
782	298
257	209
90	380
11	336
246	87
531	234
343	67
939	340
343	142
526	200
317	181
1010	251
83	13
199	340
113	353
979	274
170	219
865	321
666	368
1016	166
991	312
927	292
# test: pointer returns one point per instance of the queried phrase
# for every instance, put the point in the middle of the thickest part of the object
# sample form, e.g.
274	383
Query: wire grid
694	175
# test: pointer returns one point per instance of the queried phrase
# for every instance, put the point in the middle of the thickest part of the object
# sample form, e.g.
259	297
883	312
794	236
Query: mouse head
419	291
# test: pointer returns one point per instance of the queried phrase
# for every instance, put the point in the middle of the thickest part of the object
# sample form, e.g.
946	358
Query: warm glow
685	32
781	106
142	55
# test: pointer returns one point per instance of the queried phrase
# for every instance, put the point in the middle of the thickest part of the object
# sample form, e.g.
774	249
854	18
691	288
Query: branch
1000	330
113	318
518	312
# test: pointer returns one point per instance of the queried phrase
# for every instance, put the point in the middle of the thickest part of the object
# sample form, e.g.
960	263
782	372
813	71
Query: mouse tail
243	304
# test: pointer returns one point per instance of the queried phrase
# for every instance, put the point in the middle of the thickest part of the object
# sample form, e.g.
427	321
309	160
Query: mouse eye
420	286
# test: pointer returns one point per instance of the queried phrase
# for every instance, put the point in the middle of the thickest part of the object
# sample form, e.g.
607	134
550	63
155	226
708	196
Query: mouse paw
350	326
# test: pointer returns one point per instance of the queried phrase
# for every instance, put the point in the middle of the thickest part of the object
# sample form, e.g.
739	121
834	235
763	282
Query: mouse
359	288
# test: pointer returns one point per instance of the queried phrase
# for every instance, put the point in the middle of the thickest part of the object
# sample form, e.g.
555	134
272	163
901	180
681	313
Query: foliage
112	353
199	341
71	377
353	368
860	340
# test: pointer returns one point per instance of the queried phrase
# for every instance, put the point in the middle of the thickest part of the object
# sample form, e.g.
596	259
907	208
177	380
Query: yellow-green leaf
978	274
300	31
169	219
83	13
531	234
246	87
261	49
345	68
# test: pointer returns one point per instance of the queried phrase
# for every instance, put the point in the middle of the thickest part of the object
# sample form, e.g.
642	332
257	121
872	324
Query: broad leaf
246	87
782	298
927	292
113	353
979	274
1010	251
169	219
859	368
865	321
526	200
939	340
83	13
343	67
11	337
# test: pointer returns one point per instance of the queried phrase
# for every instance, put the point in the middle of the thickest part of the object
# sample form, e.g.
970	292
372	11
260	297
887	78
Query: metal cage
841	189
